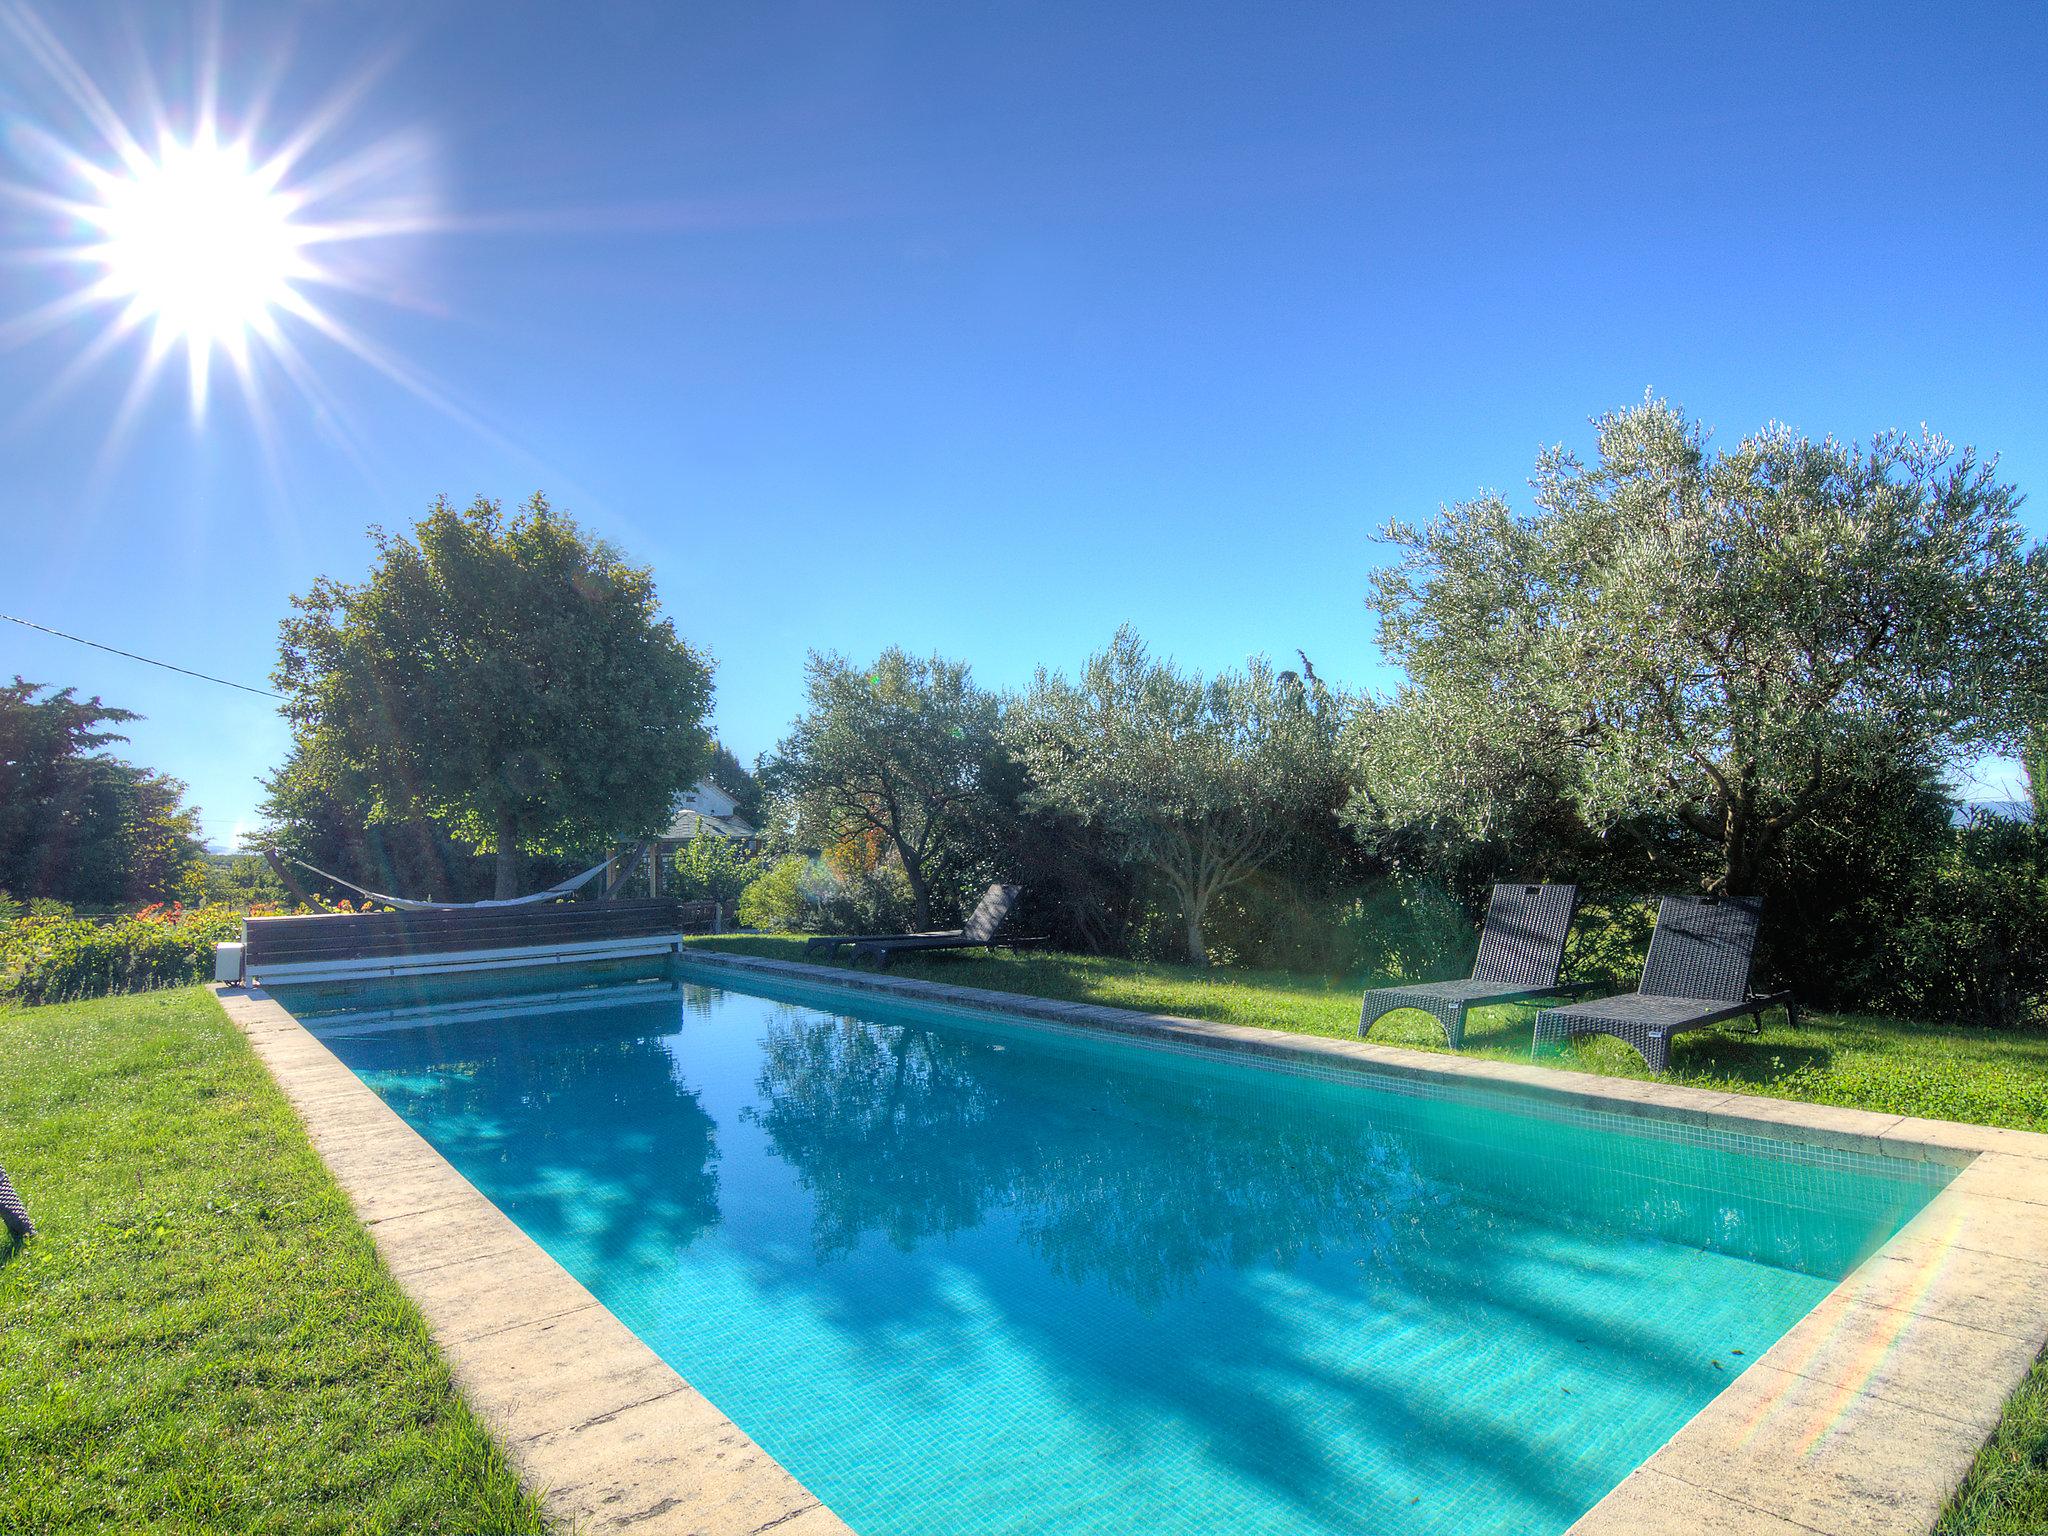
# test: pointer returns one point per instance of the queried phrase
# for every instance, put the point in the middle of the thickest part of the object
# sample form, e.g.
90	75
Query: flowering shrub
53	958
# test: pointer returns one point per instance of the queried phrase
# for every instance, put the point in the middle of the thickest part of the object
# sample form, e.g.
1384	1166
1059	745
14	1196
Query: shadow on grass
10	1245
1759	1062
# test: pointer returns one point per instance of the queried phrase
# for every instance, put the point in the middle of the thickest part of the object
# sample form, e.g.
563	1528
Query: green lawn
201	1338
1991	1077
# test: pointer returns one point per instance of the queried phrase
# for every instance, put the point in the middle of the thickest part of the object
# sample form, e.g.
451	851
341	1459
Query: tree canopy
78	825
896	753
507	676
1710	636
1202	782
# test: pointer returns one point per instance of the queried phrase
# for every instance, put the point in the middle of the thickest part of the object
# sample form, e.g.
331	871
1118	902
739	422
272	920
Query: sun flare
200	243
204	226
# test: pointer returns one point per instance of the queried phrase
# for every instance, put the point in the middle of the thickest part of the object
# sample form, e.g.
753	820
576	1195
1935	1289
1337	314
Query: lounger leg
1540	1033
1450	1020
1656	1050
13	1214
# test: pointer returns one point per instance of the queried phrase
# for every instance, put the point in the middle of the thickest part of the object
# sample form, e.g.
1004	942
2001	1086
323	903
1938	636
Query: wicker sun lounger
1696	974
1520	951
984	930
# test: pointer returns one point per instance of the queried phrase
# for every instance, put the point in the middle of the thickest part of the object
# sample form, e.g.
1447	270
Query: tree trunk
511	861
1198	952
920	896
1745	853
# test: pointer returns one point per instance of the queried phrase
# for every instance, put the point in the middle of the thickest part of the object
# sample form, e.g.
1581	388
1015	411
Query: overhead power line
204	677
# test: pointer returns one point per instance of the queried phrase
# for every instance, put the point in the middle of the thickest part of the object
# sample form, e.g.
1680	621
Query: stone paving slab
613	1438
1862	1420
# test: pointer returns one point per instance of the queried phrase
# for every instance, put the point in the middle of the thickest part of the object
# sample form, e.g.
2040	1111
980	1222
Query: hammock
407	904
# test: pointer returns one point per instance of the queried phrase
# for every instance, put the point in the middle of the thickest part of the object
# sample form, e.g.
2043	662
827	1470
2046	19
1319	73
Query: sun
204	226
200	243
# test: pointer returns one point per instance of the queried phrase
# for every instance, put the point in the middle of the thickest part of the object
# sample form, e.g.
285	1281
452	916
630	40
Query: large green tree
506	675
1714	637
897	753
1201	782
77	824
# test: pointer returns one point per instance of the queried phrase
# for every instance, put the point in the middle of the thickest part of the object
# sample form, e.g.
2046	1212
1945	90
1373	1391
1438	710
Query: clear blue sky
985	328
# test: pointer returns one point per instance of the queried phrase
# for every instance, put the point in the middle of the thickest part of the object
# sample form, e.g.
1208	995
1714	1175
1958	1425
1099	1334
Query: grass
1985	1076
201	1337
2006	1493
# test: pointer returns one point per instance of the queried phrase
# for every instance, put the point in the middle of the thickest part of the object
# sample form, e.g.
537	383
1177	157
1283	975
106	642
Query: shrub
775	899
45	959
798	893
713	869
1974	948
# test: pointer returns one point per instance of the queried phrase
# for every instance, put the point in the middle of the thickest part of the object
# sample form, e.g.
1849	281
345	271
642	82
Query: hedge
48	959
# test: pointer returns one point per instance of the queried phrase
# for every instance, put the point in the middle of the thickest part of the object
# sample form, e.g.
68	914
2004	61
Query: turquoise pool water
962	1275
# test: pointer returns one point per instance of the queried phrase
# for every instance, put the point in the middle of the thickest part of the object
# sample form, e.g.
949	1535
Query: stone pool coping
608	1433
1862	1419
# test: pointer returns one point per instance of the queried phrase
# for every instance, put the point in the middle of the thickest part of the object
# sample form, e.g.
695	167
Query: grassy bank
1990	1077
201	1338
1986	1076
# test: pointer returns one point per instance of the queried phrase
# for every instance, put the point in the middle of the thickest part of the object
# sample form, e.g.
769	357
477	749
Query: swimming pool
967	1274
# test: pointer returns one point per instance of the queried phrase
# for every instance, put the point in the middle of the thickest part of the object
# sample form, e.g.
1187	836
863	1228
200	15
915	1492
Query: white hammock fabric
407	904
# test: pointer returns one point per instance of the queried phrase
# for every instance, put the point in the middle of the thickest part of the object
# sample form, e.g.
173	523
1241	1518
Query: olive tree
1199	781
896	752
508	676
1711	636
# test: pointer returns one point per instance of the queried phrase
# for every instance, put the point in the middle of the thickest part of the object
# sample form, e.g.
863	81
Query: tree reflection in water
1140	1180
593	1137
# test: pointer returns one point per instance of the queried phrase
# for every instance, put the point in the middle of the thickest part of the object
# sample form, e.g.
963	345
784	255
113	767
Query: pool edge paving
608	1433
1863	1418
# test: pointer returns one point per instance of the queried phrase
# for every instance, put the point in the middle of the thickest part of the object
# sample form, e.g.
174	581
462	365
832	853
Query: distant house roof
707	810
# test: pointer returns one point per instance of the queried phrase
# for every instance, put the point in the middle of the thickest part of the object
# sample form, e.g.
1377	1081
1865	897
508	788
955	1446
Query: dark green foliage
325	813
1975	946
508	678
1196	784
1077	892
76	825
888	762
1850	877
1609	940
